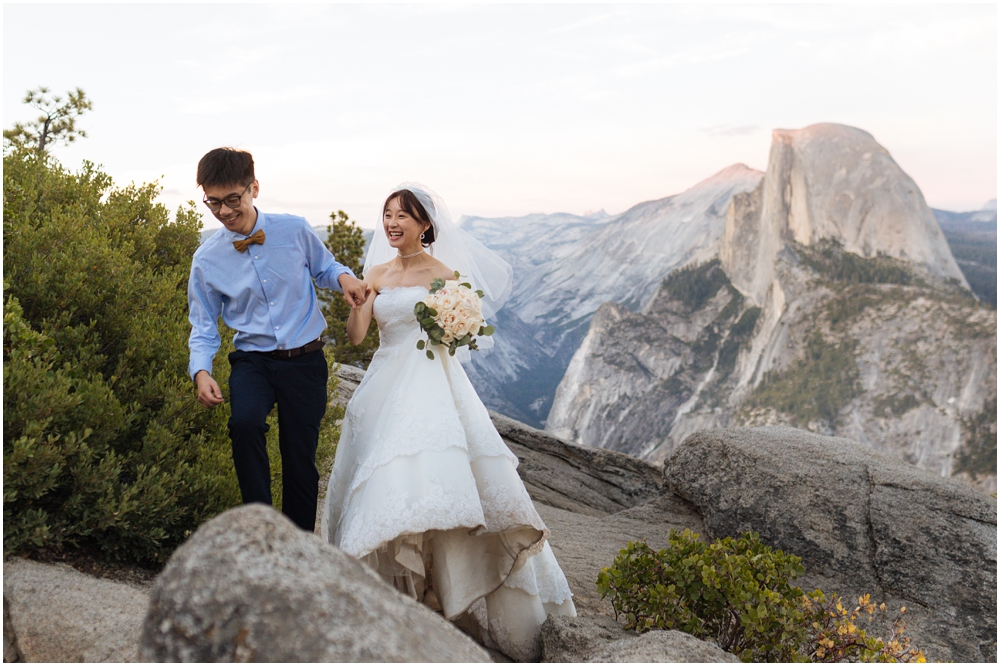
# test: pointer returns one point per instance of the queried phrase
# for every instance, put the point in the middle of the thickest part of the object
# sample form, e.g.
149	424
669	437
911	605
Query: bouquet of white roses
451	315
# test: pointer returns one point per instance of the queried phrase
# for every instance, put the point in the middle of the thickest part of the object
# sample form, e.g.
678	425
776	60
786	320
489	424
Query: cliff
567	265
848	320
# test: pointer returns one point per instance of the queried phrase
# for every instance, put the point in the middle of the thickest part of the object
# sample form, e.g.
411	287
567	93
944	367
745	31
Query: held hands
356	292
209	393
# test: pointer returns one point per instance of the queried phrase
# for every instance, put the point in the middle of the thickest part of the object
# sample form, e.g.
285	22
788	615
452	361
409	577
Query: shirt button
271	303
276	327
265	279
256	257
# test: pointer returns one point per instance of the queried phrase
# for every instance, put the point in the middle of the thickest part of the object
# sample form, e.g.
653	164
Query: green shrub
104	443
736	592
739	593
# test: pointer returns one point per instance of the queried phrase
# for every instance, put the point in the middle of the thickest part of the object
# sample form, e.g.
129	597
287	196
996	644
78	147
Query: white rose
451	284
446	339
446	302
469	303
431	301
460	328
473	322
447	319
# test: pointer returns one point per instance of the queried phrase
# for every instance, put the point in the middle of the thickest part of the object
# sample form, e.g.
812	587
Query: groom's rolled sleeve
204	308
322	266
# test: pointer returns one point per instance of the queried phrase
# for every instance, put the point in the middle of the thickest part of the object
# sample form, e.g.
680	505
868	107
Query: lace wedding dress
425	492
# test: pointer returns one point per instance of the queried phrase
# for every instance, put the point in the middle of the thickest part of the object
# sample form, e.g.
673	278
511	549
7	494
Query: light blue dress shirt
266	293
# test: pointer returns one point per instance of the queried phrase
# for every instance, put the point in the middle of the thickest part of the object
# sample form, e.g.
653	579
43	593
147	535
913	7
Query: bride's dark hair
409	202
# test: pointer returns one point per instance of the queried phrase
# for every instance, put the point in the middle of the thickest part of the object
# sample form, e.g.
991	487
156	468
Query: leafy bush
104	443
734	591
739	593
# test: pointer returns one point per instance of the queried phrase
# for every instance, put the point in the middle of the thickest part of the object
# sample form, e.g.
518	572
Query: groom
258	273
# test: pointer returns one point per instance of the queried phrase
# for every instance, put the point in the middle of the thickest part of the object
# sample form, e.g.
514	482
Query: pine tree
346	240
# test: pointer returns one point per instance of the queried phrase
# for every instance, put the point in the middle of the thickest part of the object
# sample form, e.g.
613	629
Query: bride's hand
361	316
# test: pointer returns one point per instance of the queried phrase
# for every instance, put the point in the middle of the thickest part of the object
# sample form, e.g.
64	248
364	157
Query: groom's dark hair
409	202
225	166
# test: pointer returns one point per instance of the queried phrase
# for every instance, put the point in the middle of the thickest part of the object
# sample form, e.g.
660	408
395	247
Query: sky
506	109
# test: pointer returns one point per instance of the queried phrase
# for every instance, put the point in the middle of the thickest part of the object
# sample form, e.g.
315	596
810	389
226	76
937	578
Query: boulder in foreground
56	613
250	586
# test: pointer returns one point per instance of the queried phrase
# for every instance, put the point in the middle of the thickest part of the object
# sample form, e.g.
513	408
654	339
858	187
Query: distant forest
972	238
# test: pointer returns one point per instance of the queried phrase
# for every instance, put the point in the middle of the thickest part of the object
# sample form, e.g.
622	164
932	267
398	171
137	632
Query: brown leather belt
298	351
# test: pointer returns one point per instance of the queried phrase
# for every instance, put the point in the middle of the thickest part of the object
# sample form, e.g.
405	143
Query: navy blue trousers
298	386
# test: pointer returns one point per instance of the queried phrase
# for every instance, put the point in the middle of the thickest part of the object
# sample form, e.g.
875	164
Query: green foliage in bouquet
739	593
436	333
104	444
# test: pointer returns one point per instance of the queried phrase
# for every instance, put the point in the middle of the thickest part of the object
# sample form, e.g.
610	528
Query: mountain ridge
791	324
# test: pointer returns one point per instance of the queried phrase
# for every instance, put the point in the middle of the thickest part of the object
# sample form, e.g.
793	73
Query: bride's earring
423	235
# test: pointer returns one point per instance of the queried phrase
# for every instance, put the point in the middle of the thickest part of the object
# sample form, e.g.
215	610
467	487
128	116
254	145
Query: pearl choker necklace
407	256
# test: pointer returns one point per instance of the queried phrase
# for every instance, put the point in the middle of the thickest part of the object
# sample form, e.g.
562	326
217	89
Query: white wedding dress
425	492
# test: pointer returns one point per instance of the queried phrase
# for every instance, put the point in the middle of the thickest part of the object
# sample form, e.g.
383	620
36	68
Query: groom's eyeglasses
232	201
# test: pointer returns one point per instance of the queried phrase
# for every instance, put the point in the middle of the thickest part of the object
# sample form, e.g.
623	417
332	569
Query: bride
423	488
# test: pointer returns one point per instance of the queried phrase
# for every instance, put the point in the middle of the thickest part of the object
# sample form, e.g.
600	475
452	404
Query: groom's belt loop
298	351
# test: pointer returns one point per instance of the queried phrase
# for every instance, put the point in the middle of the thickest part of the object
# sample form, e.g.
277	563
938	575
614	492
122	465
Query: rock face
861	522
866	332
56	613
250	586
831	182
566	266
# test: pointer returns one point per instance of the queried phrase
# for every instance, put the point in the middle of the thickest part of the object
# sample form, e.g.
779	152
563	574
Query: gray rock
602	640
57	613
578	478
584	544
662	647
250	586
574	639
11	652
862	522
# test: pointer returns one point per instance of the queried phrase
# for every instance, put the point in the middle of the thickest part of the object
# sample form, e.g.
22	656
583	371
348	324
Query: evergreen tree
57	122
346	240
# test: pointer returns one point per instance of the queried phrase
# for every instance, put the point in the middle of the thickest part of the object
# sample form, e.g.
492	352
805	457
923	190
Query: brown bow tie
243	245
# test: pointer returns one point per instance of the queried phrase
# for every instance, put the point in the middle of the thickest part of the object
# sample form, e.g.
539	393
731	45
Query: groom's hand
209	394
355	291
